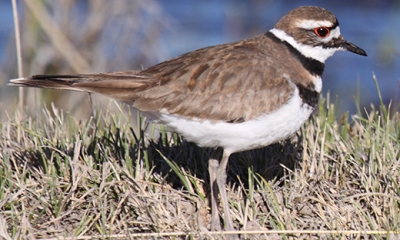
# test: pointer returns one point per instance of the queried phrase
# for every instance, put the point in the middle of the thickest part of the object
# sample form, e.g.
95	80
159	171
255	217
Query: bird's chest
234	137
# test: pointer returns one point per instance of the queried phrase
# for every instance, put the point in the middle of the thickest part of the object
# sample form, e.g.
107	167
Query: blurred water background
89	36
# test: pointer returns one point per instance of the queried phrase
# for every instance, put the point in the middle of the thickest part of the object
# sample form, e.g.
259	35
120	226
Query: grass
101	179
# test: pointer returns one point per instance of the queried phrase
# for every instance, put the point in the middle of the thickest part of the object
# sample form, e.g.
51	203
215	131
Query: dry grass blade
58	38
19	54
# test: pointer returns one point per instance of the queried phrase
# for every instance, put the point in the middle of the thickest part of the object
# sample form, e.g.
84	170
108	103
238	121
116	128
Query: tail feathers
121	86
64	82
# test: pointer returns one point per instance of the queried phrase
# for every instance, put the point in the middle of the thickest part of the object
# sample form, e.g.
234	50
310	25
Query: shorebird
232	97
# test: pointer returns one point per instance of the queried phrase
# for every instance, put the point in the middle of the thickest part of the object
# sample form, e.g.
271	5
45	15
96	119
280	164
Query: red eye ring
322	31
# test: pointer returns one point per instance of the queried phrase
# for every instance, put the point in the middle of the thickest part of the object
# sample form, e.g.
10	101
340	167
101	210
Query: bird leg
218	177
213	164
221	181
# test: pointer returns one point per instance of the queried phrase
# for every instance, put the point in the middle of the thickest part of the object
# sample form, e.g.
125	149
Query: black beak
352	48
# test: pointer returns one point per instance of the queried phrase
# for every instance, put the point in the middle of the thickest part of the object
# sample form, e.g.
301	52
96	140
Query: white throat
318	53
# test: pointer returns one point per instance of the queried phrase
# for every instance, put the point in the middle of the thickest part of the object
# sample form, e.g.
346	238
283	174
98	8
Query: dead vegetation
64	178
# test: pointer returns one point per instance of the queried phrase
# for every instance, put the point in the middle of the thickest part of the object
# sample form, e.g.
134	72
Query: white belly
236	137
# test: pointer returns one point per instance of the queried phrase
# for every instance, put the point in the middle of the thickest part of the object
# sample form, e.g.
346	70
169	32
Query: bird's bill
352	48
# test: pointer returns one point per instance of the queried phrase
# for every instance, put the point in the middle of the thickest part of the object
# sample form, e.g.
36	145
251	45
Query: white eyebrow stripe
311	24
318	52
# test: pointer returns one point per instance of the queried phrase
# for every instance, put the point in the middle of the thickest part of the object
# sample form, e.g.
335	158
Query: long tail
118	85
64	82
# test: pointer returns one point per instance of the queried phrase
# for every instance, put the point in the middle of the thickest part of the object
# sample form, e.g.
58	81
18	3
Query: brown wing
230	82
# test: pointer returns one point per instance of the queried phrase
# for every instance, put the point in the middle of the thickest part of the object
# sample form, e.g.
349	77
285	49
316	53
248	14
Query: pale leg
213	165
221	181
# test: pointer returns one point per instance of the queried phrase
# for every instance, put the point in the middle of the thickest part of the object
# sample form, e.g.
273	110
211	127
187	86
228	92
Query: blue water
371	24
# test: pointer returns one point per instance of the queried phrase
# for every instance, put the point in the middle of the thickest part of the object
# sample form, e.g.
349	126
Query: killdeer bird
233	97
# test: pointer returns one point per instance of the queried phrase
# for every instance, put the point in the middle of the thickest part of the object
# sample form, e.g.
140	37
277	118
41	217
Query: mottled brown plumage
217	83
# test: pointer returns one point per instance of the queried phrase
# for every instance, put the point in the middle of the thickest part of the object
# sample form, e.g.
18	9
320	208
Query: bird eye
322	31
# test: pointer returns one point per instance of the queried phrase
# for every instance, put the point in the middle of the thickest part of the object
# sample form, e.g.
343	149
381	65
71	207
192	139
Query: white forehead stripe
311	24
315	52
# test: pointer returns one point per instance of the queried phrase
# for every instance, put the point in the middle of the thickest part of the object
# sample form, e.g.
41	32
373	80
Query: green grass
101	179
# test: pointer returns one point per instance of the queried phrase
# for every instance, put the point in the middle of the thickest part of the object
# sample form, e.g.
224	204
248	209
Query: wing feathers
230	82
